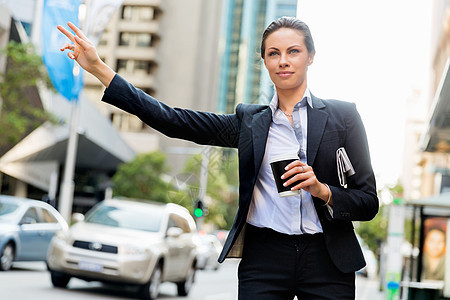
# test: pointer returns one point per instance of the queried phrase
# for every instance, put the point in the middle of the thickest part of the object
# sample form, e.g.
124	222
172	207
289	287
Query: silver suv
130	242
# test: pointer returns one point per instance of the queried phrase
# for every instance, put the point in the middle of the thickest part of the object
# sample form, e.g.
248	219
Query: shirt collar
274	102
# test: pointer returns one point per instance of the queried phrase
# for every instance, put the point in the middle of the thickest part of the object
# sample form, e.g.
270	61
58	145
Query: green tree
230	168
19	115
222	186
374	232
141	178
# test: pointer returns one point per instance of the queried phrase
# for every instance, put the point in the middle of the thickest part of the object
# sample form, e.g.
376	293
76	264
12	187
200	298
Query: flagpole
68	184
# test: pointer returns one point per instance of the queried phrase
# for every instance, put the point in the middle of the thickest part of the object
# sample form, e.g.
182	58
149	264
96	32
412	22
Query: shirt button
297	126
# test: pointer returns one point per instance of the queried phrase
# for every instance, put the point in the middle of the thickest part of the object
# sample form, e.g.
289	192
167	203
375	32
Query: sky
373	53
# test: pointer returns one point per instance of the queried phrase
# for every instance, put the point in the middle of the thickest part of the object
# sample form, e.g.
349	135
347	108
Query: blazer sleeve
199	127
358	201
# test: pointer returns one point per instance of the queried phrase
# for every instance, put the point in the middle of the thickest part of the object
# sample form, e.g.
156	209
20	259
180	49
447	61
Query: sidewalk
368	289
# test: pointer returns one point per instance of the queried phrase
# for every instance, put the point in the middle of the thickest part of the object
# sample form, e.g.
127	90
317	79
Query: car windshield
7	211
130	217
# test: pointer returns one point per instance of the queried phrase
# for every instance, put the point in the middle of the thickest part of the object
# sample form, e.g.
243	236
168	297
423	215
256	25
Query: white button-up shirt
293	214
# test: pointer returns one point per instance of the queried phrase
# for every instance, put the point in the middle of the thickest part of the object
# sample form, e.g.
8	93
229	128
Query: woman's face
287	58
435	243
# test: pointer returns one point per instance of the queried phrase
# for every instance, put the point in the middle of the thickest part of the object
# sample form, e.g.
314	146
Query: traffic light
199	209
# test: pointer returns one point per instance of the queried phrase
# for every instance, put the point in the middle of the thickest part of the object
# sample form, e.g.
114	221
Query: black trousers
278	266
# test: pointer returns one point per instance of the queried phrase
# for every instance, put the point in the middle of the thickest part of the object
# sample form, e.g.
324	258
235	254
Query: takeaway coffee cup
278	163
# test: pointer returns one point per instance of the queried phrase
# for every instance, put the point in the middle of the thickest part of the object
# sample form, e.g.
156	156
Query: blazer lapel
260	130
317	119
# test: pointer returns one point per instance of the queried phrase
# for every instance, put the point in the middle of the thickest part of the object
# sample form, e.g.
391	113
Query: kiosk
429	275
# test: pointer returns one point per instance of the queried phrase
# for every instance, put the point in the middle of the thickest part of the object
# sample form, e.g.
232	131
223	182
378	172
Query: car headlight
133	250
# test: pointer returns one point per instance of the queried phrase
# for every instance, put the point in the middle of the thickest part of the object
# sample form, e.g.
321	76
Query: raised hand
84	52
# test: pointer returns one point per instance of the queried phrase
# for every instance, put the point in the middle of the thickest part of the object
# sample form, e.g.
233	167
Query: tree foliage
18	114
222	187
142	178
374	232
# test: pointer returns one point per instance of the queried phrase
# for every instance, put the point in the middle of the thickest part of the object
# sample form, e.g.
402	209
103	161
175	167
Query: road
31	281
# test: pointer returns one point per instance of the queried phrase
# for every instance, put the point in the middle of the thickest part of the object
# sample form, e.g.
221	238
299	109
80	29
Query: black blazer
331	124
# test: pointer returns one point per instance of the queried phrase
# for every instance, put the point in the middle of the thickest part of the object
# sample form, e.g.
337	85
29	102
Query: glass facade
243	78
275	10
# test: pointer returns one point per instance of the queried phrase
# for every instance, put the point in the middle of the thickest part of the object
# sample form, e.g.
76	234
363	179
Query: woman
301	245
434	255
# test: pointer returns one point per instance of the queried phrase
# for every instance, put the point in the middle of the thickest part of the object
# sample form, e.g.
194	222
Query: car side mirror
77	217
174	232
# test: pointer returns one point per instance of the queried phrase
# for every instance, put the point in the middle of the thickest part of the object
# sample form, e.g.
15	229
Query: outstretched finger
66	33
67	46
78	31
84	44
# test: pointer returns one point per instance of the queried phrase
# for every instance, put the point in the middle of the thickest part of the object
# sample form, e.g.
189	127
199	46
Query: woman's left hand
308	180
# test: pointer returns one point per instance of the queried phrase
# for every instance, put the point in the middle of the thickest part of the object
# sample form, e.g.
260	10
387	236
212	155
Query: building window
122	65
154	41
145	13
127	12
143	40
124	38
126	122
142	65
139	13
287	7
146	66
103	39
135	66
133	39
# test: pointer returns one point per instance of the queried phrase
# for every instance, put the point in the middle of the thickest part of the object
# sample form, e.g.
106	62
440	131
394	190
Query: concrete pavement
368	289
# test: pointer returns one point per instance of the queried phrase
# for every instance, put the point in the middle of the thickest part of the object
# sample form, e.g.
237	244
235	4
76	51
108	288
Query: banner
66	79
98	15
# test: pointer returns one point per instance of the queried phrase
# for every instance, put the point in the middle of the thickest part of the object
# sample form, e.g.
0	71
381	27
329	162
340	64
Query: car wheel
59	280
7	257
150	290
185	286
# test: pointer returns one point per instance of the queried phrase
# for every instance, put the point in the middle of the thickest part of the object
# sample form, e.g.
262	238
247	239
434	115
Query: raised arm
85	54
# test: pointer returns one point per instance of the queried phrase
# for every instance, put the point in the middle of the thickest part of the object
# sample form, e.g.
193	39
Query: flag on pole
64	74
98	15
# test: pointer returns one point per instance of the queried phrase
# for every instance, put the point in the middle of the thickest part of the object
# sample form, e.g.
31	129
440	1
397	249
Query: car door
38	225
28	235
178	247
47	226
186	243
174	249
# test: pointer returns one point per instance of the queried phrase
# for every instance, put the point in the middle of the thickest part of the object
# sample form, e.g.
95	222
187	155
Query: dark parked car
26	228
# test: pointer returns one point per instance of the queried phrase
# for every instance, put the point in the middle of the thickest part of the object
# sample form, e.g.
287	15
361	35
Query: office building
243	77
169	50
436	137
